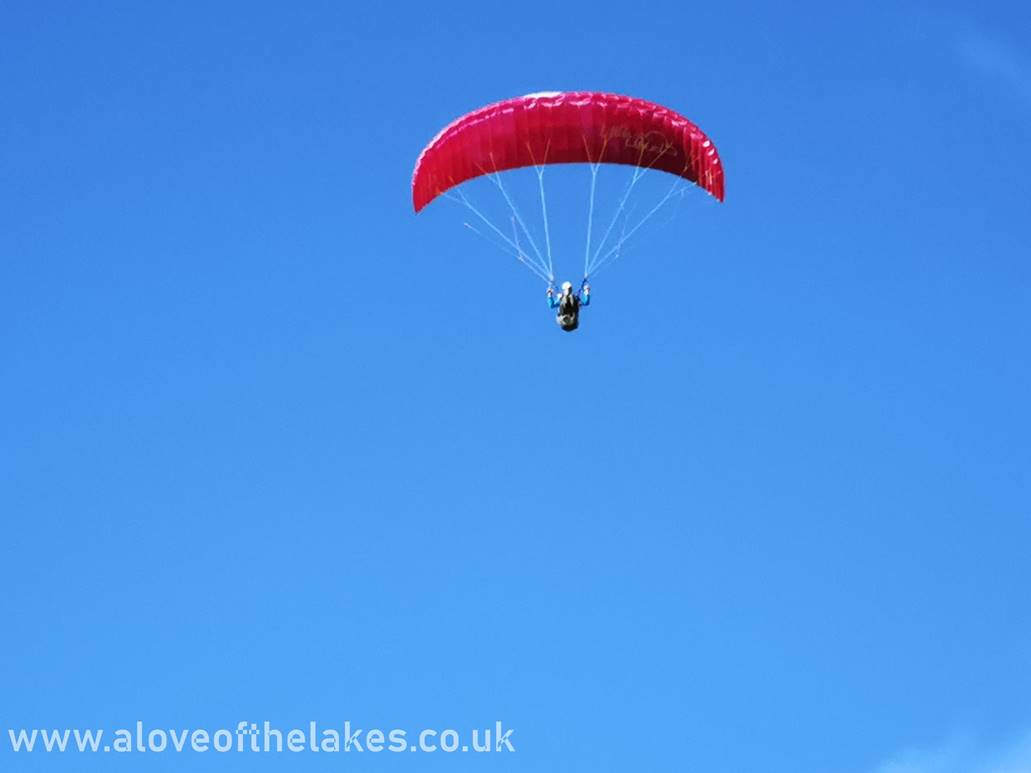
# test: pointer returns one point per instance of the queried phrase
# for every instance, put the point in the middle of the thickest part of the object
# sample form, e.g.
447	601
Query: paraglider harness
569	312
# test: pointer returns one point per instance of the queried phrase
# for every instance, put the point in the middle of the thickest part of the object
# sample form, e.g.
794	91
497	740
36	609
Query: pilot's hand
551	291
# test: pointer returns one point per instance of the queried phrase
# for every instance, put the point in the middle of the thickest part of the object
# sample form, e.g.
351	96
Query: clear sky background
273	447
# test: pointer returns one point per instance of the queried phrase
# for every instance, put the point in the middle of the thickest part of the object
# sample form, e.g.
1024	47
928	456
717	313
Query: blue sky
276	448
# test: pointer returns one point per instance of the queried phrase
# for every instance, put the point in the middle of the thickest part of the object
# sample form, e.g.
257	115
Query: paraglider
547	128
569	304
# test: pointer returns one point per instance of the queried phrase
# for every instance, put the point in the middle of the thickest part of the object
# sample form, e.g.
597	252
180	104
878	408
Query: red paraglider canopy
561	128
